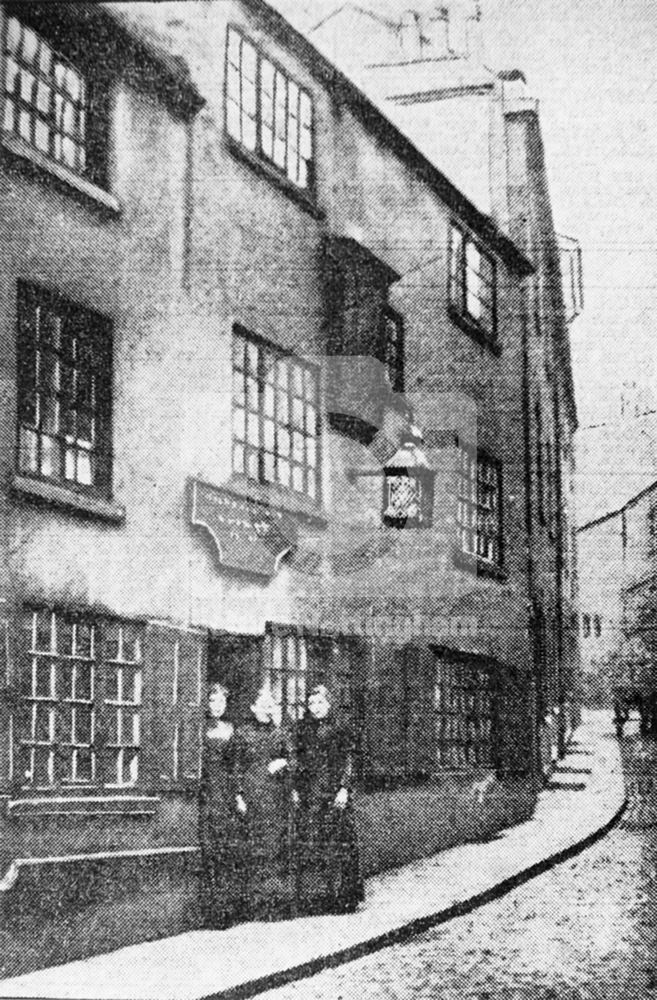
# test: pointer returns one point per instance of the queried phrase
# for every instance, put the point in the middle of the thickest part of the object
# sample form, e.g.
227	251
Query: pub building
241	442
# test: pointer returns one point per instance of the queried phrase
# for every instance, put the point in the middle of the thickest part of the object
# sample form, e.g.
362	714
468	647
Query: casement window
55	97
393	348
64	392
472	283
479	513
81	688
597	626
586	626
286	671
267	112
464	710
275	417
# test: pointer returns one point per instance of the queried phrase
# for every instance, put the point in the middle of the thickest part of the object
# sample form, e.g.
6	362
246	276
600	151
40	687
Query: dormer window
267	113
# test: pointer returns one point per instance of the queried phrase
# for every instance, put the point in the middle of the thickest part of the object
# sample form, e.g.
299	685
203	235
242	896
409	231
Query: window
80	679
46	100
393	349
275	417
586	626
472	282
463	706
479	516
64	391
597	626
267	113
287	672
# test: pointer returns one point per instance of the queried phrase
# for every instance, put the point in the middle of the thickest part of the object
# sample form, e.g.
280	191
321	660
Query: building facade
267	392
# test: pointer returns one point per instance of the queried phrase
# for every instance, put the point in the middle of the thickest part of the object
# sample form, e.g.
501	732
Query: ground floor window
463	706
81	688
286	670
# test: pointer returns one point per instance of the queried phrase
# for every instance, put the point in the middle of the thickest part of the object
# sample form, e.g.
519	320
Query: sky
593	66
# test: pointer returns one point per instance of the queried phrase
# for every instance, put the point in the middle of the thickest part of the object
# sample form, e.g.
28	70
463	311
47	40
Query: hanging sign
248	535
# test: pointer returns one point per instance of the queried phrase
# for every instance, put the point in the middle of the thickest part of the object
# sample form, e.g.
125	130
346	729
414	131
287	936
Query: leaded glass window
287	672
45	97
267	112
79	678
64	390
472	281
479	512
275	416
464	711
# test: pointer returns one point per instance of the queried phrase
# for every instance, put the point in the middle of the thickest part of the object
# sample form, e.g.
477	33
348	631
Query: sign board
249	536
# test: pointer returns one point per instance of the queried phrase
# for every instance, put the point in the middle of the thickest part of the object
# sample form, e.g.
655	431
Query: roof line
374	119
628	503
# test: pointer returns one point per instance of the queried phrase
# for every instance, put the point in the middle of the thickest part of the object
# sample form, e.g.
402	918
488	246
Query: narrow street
585	929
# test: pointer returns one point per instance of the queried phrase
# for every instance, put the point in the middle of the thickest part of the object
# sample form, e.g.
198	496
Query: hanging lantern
408	487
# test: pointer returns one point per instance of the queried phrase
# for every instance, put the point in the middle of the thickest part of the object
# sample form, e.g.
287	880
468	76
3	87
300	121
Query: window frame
31	299
480	457
258	152
458	287
65	41
105	773
394	366
266	389
464	728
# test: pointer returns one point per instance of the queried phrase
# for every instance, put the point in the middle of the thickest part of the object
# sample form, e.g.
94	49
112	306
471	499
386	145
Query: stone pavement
583	799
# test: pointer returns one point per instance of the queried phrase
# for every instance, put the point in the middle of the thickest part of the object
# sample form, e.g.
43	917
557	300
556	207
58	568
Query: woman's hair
217	685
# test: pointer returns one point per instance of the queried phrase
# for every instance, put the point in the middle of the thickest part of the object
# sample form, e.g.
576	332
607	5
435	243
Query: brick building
618	558
269	381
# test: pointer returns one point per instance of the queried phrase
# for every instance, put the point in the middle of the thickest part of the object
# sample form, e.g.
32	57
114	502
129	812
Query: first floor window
393	349
463	706
472	281
81	684
275	416
479	513
64	391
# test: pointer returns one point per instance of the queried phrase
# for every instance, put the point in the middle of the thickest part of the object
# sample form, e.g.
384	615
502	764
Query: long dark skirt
327	861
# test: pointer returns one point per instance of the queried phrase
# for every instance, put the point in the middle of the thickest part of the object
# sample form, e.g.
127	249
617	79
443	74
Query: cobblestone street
585	929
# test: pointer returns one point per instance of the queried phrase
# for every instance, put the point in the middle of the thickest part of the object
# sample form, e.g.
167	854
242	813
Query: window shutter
174	691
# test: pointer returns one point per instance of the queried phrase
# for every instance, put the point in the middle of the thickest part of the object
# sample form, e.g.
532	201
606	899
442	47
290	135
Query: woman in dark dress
222	825
328	857
265	784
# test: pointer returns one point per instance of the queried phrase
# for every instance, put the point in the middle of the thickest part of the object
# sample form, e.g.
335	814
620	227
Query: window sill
60	496
279	499
474	564
304	199
83	805
18	147
472	328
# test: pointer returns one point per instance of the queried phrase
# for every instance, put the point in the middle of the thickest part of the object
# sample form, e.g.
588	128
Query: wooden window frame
281	414
463	290
81	119
393	359
463	703
114	673
78	345
287	671
300	173
471	511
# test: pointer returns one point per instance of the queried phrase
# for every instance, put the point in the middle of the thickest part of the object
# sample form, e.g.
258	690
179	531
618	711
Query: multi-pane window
275	417
479	515
267	112
45	97
393	349
81	686
472	281
286	663
463	706
64	390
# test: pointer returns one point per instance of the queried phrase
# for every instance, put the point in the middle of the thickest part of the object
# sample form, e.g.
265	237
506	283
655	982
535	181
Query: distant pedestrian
327	853
621	715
